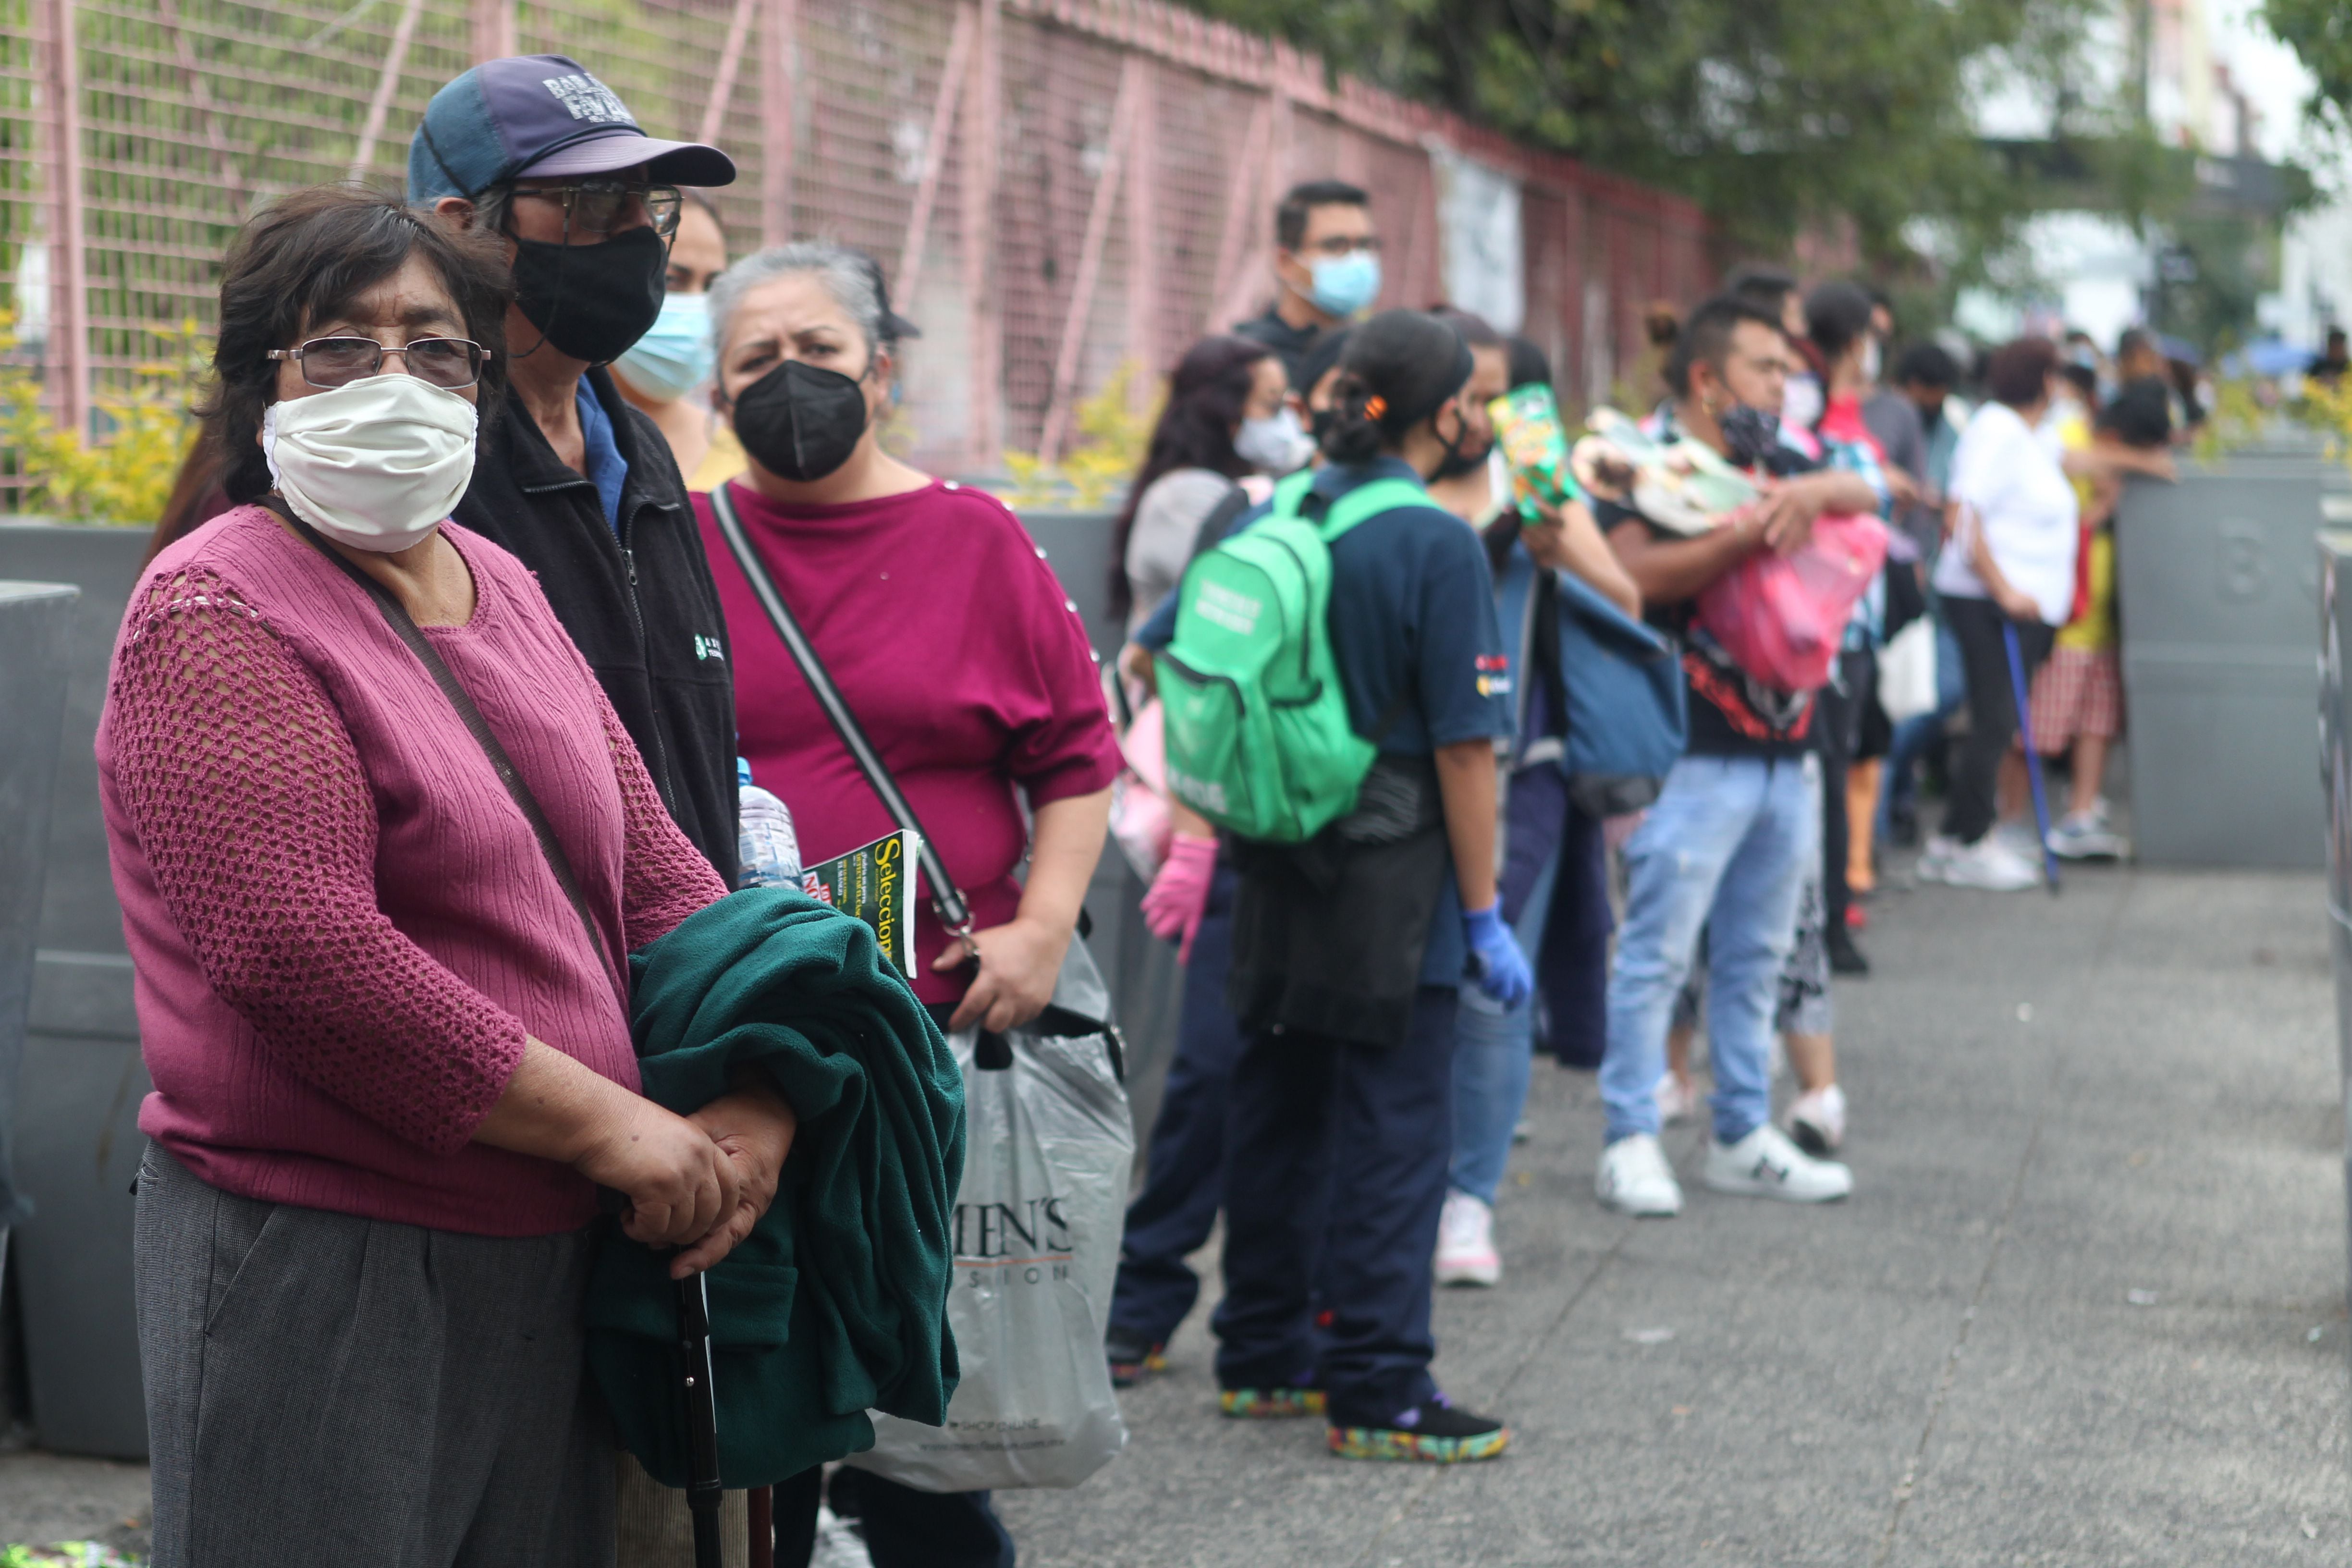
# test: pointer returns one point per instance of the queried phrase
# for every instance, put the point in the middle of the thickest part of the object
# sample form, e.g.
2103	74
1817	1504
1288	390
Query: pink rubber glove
1174	905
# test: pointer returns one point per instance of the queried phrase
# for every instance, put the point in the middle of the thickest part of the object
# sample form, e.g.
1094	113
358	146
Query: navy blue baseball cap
545	115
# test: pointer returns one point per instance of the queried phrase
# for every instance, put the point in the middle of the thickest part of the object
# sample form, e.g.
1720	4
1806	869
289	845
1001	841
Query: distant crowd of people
437	698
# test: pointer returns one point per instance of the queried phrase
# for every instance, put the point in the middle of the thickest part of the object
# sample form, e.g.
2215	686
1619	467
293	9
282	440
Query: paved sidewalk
2087	1306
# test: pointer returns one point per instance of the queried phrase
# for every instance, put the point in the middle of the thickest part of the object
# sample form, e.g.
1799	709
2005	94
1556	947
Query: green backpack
1257	731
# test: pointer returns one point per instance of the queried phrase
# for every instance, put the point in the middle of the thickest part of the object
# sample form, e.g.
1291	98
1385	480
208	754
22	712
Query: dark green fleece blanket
838	1301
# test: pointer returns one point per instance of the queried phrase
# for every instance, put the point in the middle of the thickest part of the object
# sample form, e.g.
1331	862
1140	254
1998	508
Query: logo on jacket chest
707	648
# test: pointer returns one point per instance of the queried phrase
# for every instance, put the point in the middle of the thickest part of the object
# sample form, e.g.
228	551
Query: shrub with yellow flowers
123	475
1112	438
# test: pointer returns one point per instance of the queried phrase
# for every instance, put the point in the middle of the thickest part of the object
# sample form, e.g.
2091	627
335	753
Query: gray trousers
322	1388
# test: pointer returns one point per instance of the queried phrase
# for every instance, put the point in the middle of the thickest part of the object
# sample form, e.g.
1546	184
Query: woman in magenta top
937	618
962	658
391	1069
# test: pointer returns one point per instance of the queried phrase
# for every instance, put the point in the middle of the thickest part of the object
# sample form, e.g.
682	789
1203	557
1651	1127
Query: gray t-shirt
1894	420
1167	523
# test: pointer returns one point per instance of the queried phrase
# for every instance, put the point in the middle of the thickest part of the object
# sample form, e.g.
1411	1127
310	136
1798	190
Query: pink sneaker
1465	1242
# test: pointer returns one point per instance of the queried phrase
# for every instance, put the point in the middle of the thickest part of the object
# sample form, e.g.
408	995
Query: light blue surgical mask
1345	284
674	357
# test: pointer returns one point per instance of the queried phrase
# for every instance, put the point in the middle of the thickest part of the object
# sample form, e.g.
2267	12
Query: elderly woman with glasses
382	1005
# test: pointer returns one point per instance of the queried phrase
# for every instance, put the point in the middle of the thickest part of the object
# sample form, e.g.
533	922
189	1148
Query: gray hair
845	274
491	207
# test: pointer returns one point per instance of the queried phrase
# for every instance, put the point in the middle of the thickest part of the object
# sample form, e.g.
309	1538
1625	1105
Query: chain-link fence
1059	188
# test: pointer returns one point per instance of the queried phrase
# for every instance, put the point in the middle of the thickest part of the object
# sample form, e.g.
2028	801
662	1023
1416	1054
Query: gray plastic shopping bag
1047	1156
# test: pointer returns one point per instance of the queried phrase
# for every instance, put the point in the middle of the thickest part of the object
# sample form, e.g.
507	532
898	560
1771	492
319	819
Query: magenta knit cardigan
341	924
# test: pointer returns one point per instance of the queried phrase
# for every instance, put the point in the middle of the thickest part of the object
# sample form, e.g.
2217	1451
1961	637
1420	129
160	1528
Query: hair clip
1375	406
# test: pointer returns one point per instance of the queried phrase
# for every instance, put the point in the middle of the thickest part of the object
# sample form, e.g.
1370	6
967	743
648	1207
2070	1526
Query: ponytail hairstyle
1400	368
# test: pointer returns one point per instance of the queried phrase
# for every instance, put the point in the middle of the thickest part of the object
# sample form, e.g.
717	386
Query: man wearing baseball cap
536	151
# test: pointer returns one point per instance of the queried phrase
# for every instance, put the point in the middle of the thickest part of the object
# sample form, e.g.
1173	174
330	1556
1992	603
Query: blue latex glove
1495	957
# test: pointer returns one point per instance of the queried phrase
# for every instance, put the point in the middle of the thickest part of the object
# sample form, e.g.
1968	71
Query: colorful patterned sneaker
1269	1404
1431	1432
1132	1360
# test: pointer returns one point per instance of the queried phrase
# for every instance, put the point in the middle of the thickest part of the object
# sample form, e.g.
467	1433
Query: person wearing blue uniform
1184	1184
1349	951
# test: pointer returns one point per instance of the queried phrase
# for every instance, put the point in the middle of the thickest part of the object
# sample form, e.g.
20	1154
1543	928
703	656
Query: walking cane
2033	754
702	1486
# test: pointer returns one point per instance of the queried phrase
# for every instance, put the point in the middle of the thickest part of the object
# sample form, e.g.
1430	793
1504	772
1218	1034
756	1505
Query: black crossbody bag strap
405	628
947	899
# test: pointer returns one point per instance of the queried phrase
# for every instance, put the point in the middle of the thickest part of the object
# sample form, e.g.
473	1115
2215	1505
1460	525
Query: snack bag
1535	444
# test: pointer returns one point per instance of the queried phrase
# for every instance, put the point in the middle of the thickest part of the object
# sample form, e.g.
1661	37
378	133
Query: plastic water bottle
765	843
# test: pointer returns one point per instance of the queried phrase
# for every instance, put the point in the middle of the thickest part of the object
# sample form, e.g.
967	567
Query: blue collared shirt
606	467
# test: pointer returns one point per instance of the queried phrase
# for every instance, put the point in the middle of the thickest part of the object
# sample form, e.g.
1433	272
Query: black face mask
1749	434
591	301
1456	461
801	422
1457	464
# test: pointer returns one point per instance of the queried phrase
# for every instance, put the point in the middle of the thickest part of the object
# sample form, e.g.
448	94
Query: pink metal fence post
387	84
200	94
731	60
491	23
68	345
984	431
935	150
781	27
1144	348
1090	253
1241	217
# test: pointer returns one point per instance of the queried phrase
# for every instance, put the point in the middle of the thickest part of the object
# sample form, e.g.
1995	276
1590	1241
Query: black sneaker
1132	1360
1844	957
1432	1432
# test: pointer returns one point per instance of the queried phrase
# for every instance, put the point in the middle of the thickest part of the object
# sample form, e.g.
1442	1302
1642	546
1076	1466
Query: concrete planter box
77	1138
1146	984
2218	585
35	627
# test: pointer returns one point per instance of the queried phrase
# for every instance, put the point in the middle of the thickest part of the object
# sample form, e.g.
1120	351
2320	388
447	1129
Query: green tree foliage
2320	33
1771	113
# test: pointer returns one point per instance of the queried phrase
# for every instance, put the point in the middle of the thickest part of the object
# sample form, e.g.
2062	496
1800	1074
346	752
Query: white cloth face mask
376	464
1276	443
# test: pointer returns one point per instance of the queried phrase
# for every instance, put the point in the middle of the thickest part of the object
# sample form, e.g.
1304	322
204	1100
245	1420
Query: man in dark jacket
575	482
1327	261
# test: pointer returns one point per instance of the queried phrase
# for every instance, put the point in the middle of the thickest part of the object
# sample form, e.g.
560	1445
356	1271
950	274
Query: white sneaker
2016	835
1817	1120
1765	1164
1675	1102
1635	1179
1987	864
1465	1242
1935	856
2084	835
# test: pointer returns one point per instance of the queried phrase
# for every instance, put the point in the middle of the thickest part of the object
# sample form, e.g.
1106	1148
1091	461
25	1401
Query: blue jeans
1727	848
1494	1049
1916	734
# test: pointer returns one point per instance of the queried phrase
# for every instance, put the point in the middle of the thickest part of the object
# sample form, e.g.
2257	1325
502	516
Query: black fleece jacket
641	606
